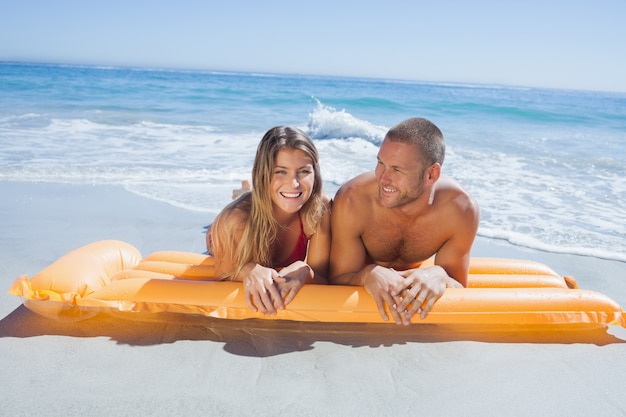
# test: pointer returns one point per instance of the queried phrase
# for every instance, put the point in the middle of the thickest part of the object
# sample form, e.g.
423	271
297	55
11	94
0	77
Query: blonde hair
259	228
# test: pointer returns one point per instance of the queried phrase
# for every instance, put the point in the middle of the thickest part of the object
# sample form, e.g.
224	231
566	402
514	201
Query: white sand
195	366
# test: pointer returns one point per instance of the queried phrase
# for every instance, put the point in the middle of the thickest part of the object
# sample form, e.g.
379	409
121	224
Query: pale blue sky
562	44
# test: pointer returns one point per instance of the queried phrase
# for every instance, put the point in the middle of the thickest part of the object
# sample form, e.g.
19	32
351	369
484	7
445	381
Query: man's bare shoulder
355	189
452	189
453	196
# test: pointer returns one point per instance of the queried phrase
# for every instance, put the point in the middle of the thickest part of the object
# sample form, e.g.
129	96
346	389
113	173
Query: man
387	222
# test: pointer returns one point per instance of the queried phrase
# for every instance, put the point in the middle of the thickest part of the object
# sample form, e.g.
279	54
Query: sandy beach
196	366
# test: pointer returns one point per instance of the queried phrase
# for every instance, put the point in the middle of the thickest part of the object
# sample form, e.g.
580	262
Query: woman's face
293	179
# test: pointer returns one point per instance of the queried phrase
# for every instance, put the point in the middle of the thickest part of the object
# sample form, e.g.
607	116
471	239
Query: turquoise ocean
547	167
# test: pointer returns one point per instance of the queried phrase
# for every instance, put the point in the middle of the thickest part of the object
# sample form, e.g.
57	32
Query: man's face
400	174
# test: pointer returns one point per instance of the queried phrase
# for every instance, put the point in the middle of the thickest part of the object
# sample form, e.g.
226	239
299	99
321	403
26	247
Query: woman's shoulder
236	212
327	201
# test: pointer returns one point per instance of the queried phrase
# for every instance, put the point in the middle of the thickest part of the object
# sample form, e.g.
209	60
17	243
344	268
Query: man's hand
380	283
419	290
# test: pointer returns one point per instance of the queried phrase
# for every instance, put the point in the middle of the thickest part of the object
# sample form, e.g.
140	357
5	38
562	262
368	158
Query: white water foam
526	200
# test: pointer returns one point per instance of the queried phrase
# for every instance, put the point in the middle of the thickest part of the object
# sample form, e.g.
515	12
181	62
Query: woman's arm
315	269
261	291
318	254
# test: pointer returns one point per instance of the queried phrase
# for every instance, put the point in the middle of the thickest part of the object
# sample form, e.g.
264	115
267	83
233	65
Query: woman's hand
292	278
260	288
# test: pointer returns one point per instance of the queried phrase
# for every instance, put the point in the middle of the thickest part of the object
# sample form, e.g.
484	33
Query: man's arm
454	255
423	286
348	254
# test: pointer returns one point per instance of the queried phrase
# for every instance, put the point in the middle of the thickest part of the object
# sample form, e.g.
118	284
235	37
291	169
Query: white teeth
388	190
291	195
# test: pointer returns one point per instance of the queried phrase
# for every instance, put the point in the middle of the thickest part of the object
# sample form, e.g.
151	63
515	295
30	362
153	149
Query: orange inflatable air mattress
112	276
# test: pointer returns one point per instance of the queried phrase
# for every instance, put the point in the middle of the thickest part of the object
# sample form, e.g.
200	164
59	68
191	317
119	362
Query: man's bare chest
399	244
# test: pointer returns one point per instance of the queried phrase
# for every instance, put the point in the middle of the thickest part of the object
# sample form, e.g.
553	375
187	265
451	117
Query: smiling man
385	223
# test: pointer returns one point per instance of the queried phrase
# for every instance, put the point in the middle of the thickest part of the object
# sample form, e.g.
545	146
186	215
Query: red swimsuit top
299	252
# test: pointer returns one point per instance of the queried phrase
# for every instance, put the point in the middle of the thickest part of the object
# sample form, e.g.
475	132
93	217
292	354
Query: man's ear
433	173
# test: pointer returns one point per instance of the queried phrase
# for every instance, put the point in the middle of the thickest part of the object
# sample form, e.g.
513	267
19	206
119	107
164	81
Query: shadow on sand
264	338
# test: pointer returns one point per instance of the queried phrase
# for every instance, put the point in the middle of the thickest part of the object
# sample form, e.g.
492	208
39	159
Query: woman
264	237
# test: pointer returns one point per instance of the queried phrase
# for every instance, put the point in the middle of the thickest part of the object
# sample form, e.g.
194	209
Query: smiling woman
276	237
292	181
